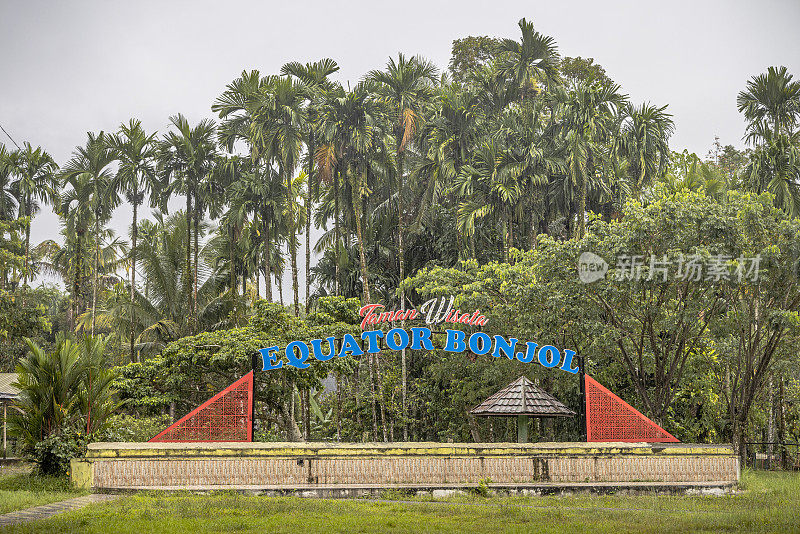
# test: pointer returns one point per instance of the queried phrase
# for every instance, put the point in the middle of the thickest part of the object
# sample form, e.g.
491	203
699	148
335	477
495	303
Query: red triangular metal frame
618	421
211	423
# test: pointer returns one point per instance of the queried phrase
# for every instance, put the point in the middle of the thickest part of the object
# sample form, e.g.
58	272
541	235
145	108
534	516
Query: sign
435	311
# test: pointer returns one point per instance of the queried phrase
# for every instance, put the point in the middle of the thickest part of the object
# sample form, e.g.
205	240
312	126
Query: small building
523	399
8	395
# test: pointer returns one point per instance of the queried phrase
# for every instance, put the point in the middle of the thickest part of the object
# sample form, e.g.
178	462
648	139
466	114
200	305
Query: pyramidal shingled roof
522	397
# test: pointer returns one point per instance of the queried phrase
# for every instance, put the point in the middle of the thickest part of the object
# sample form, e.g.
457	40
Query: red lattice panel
609	418
227	416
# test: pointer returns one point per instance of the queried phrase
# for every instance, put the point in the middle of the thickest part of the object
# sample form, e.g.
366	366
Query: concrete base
331	469
443	491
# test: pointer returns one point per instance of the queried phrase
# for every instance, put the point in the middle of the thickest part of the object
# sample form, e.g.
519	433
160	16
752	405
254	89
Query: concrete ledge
321	449
445	490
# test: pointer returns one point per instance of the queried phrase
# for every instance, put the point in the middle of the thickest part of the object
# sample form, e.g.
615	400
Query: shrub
53	453
64	395
132	428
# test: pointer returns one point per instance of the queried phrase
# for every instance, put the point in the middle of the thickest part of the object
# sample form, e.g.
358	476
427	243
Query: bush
53	453
132	428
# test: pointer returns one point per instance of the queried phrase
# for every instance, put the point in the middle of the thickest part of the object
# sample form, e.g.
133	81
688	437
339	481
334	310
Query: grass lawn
20	489
770	503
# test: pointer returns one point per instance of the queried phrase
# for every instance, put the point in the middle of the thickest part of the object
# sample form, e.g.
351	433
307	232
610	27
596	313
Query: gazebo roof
522	397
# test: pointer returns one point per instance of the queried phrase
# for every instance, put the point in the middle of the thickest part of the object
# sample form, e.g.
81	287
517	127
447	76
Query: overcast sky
71	67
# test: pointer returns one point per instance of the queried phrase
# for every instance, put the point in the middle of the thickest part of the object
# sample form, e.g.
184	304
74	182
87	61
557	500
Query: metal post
582	389
5	423
253	404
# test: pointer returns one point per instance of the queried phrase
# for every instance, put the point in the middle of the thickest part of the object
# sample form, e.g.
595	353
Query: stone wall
293	465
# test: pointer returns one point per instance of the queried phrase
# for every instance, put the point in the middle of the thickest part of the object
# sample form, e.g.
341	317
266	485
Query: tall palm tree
35	172
533	58
92	197
350	125
135	151
771	106
405	86
259	193
315	77
277	132
587	118
773	99
8	201
186	159
774	166
644	143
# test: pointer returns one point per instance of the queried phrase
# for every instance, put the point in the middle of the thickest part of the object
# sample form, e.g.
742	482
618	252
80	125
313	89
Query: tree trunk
188	274
308	219
295	284
232	267
336	288
268	258
474	429
197	214
505	225
373	397
770	421
77	289
307	414
279	282
287	414
134	235
27	241
339	385
356	194
581	226
96	268
402	266
781	424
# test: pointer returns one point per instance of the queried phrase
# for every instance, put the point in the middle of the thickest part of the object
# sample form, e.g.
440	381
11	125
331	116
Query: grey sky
70	67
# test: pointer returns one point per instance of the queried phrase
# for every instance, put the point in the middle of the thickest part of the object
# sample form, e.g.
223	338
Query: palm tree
160	310
533	58
488	189
587	119
771	99
315	78
259	193
92	197
8	201
68	387
771	106
277	133
35	182
644	143
135	151
405	86
774	166
351	126
186	159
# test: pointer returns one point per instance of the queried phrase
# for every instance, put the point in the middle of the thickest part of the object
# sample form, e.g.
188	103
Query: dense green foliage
65	397
486	182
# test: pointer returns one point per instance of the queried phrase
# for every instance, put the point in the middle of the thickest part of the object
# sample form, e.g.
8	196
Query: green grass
20	489
770	502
